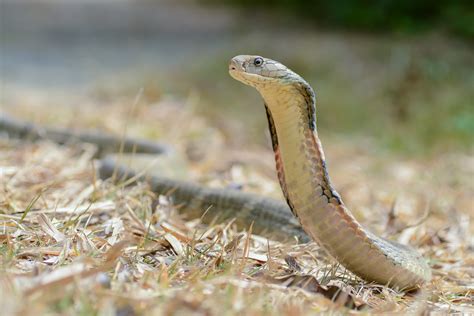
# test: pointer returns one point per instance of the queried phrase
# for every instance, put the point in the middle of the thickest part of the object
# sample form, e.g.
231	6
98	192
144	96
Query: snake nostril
234	64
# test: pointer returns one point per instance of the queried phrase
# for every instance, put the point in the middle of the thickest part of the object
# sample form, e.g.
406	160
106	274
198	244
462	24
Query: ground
72	243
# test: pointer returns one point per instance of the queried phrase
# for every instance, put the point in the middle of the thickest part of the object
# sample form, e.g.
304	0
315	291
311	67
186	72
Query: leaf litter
72	243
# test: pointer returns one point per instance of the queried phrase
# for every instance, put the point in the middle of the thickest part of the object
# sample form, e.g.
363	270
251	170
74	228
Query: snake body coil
303	177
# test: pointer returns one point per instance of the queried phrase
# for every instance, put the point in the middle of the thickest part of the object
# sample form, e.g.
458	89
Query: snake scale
291	111
301	168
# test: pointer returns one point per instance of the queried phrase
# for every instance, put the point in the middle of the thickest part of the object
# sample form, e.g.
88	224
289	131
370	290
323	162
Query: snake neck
299	155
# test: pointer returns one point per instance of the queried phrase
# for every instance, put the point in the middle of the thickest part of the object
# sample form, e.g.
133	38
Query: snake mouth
244	77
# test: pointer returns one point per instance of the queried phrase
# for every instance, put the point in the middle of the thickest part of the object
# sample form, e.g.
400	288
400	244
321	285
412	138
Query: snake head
258	72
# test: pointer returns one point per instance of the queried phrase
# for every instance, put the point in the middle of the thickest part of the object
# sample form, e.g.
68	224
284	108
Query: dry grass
72	243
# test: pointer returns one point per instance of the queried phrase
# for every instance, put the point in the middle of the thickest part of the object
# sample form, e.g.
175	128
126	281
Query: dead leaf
50	229
175	244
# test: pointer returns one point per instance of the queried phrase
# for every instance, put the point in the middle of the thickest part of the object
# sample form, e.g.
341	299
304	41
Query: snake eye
258	61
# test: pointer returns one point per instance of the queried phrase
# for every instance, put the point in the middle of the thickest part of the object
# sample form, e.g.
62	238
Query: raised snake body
303	177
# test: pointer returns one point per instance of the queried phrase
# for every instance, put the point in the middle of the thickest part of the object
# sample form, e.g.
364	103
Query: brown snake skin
301	168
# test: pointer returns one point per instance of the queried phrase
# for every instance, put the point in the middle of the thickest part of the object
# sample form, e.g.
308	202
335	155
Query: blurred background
399	74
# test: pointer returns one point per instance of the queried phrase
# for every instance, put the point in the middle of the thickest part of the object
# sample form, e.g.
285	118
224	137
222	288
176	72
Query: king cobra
302	173
291	112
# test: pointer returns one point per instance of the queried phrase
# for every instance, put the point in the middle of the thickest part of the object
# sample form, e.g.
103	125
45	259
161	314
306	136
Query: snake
313	209
290	105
